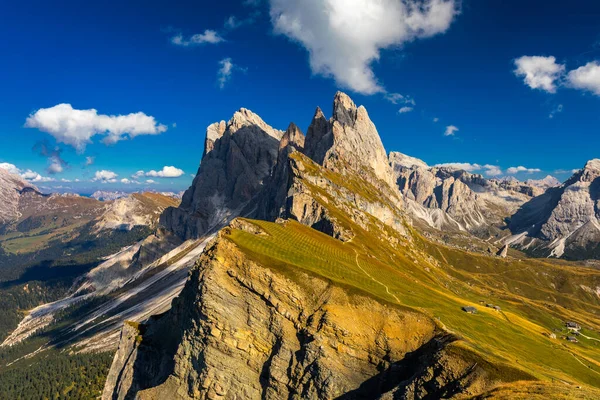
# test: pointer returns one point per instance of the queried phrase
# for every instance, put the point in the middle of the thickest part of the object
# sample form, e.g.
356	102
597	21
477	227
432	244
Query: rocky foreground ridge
339	296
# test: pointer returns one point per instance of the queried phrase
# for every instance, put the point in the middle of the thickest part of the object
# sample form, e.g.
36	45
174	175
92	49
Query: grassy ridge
438	281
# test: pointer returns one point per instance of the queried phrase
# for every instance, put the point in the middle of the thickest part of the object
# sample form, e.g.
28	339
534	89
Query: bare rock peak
213	133
318	137
344	109
293	136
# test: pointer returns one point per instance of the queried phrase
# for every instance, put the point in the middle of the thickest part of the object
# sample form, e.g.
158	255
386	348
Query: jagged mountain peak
292	136
214	132
344	109
349	138
244	117
238	156
547	182
399	160
11	187
590	171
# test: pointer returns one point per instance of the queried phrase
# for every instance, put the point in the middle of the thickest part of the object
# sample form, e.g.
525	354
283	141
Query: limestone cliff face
237	159
242	330
564	221
273	200
341	165
454	199
348	142
11	187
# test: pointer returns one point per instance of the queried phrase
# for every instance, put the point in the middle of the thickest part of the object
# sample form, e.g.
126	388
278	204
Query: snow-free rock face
11	187
274	198
447	198
348	142
237	159
243	330
399	160
137	209
565	220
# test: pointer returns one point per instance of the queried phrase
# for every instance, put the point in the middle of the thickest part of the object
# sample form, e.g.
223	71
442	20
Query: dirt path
373	279
587	337
582	363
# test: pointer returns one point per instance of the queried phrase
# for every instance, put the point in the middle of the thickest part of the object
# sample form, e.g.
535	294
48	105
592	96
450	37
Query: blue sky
456	62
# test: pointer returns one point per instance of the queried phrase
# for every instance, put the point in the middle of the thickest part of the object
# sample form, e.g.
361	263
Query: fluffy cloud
10	168
29	175
150	181
165	172
520	168
209	36
89	161
464	166
586	77
126	181
344	37
397	98
488	169
234	22
450	130
76	127
32	176
53	154
226	70
405	109
539	72
566	171
492	170
105	176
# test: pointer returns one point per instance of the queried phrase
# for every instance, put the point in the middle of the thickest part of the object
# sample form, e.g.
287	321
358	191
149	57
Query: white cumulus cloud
226	70
488	169
28	174
520	168
165	172
405	110
12	168
105	176
208	36
539	72
76	127
344	37
586	77
450	130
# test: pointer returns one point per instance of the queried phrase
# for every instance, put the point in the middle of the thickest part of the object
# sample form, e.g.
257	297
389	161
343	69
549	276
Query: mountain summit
348	141
565	220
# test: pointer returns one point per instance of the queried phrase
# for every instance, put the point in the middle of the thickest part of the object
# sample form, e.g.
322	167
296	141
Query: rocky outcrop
273	201
238	157
348	142
565	220
137	209
11	187
452	199
503	252
399	160
243	330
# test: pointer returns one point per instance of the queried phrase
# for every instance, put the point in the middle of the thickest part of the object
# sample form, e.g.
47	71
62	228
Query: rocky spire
214	132
349	140
238	157
292	137
319	138
272	201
